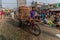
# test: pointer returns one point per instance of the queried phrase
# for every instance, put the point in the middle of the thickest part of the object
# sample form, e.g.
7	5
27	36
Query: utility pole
17	3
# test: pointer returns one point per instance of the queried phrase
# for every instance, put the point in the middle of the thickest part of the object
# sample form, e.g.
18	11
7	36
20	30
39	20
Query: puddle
58	35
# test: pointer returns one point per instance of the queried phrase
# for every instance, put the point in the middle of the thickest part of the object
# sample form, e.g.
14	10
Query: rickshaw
26	22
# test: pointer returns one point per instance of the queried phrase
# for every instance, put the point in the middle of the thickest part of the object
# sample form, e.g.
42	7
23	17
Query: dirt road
9	31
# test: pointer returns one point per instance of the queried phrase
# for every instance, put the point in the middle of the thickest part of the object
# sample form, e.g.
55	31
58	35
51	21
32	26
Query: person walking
12	14
2	14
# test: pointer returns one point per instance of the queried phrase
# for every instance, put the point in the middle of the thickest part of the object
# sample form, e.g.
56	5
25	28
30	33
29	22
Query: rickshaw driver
32	14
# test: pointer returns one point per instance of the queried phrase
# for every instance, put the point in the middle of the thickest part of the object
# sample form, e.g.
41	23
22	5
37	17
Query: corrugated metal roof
55	9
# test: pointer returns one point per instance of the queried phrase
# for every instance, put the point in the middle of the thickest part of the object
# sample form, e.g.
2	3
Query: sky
9	3
13	3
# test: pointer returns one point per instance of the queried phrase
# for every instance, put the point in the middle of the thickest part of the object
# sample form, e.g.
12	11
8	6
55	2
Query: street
45	13
8	31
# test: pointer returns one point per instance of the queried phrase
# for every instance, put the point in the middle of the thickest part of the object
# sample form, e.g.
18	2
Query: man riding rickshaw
28	20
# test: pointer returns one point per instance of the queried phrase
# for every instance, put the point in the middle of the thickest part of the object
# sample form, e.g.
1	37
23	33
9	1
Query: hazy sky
9	3
13	3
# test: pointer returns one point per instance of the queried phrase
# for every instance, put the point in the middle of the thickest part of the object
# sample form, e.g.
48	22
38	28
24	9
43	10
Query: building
50	6
37	4
21	3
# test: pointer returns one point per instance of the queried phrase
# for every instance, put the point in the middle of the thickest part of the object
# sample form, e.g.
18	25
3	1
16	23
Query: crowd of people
4	14
49	17
44	16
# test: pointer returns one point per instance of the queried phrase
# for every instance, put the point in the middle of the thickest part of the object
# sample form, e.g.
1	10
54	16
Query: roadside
11	32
